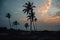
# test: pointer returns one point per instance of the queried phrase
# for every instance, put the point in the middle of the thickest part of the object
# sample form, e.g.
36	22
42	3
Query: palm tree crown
8	15
26	25
28	7
15	23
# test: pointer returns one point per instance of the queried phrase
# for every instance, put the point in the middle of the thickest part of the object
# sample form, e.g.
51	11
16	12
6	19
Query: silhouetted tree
35	23
29	10
15	23
26	25
9	16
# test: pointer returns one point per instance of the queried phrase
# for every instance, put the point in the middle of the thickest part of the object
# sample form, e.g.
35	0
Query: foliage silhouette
28	6
26	25
15	23
12	34
29	10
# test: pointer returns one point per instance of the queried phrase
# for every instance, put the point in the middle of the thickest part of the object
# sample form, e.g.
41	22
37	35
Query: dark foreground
12	34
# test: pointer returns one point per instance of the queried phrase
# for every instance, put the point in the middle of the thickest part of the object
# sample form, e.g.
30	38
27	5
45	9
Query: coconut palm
15	23
29	10
26	25
9	16
28	6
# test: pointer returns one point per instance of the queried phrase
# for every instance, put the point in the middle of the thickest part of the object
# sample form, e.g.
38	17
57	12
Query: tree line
29	10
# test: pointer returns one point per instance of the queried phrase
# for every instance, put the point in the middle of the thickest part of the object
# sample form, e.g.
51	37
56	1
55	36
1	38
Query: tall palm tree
15	23
9	16
26	25
29	10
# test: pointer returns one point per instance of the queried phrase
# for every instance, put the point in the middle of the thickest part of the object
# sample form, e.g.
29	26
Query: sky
46	11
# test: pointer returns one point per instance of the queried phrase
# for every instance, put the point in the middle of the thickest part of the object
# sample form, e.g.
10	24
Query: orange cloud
52	20
44	9
23	19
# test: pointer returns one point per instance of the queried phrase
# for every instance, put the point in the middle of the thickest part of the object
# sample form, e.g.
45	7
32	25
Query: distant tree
26	25
35	23
15	23
8	15
29	10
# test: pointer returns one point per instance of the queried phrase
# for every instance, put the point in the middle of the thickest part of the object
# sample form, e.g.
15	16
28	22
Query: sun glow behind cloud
45	8
23	19
52	20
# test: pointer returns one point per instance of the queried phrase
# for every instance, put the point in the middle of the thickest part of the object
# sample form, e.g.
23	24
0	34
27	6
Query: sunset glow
44	9
54	20
47	13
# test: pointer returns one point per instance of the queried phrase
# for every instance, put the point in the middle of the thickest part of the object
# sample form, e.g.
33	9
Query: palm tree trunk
16	27
30	25
9	23
26	29
34	26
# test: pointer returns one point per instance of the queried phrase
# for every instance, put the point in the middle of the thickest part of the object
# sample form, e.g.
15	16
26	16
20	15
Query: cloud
52	20
45	8
58	13
23	19
57	4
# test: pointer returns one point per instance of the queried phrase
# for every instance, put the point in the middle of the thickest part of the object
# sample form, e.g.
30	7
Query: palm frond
34	6
8	15
26	3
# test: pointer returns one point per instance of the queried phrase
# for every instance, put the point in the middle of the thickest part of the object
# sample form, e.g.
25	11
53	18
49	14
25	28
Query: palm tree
15	23
26	25
35	22
29	10
9	16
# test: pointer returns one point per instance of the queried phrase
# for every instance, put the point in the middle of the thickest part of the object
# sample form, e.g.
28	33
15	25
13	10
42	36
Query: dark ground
11	34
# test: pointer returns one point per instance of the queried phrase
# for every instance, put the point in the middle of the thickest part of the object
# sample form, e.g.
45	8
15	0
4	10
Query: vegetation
8	15
26	25
29	7
15	23
12	34
30	14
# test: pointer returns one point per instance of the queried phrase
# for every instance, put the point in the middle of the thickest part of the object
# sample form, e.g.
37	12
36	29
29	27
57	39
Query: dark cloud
58	13
58	4
58	0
